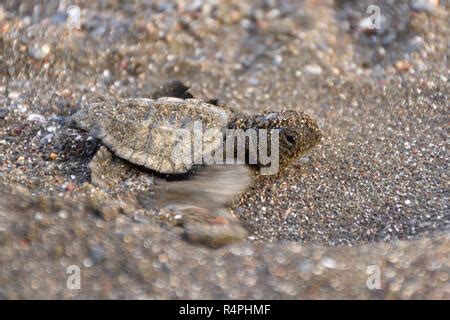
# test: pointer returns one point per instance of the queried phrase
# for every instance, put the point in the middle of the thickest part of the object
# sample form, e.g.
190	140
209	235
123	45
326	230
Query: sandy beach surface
371	197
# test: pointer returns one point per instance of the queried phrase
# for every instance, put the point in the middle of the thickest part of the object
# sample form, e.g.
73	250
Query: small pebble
53	156
305	160
62	214
70	187
16	131
425	5
13	95
178	217
87	263
402	65
313	69
34	117
39	52
254	81
97	253
46	139
277	60
328	263
3	113
415	44
366	25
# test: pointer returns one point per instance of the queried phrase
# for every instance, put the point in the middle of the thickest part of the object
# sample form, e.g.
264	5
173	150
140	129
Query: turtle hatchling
184	142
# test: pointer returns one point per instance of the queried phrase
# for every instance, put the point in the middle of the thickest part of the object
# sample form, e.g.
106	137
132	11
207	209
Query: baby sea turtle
139	139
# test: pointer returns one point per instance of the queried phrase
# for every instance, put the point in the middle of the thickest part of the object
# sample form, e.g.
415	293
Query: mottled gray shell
146	132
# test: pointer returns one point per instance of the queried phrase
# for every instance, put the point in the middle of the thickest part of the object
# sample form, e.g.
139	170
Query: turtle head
298	133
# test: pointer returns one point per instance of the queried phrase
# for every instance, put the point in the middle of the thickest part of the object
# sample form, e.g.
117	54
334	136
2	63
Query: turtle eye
289	136
290	139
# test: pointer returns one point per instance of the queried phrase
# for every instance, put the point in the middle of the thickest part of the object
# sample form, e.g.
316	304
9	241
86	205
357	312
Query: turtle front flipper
174	88
211	187
202	202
